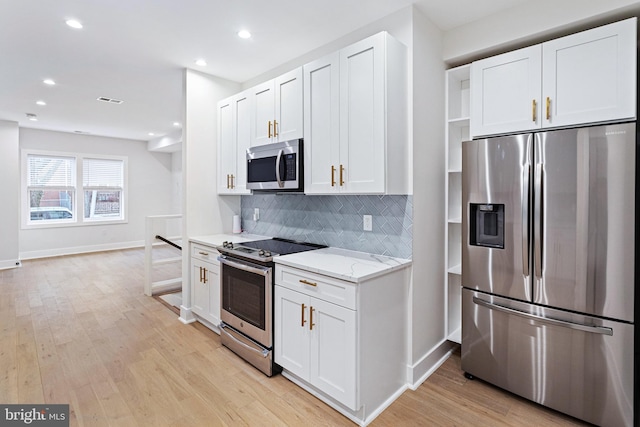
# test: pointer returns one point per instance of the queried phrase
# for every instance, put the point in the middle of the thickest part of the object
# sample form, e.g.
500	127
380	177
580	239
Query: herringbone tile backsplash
334	221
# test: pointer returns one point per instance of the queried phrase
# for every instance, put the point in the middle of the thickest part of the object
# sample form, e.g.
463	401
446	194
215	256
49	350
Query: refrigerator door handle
525	219
537	220
555	322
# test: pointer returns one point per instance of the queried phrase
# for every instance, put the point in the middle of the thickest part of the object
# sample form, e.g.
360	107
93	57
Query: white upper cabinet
234	137
356	120
586	77
277	109
322	121
590	76
505	92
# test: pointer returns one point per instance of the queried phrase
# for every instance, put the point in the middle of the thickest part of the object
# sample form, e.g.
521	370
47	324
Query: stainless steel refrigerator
548	268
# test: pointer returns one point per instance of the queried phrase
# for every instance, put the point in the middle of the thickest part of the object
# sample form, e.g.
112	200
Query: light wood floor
78	330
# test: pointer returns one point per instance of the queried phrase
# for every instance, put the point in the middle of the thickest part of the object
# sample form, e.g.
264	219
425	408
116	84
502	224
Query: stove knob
267	254
230	245
261	252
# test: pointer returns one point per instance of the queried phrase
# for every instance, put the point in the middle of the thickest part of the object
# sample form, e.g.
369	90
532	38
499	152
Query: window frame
78	192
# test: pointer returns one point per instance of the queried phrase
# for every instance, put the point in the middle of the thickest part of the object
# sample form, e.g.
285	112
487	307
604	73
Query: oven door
246	298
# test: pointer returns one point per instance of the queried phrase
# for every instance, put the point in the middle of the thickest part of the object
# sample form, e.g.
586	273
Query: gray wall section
334	221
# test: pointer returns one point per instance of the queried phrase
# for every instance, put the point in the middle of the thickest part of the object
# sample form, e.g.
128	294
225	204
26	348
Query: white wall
9	194
428	327
176	182
204	212
530	23
149	193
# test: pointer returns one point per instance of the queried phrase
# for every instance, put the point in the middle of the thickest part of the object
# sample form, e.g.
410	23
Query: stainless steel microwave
276	167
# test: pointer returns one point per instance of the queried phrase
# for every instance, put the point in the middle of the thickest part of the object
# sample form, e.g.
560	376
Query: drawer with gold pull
317	285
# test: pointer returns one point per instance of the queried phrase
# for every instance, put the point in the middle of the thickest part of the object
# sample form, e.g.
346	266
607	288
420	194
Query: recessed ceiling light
49	82
244	34
176	124
151	134
201	62
32	117
41	103
74	24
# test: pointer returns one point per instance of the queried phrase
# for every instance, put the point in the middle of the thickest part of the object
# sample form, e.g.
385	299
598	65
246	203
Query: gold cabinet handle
227	181
275	128
269	128
204	276
311	324
233	184
306	282
203	254
200	274
333	176
548	108
341	173
534	110
303	321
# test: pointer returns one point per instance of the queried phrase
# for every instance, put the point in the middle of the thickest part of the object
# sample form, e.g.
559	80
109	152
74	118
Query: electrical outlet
256	214
367	222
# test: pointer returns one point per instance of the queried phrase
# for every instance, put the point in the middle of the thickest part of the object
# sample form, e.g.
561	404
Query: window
51	188
61	189
102	183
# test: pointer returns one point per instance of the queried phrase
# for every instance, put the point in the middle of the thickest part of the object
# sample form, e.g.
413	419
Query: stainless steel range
246	296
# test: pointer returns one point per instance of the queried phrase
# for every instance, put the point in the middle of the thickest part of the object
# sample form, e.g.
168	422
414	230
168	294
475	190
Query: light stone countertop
343	264
339	263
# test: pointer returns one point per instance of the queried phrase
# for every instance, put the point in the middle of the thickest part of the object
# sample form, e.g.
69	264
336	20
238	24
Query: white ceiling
135	51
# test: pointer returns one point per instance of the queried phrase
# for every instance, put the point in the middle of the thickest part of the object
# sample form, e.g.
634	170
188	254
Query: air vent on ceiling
109	100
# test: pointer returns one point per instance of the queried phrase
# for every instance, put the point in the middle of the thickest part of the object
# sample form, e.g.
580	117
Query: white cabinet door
321	130
212	276
226	146
205	289
505	92
362	116
291	331
199	288
242	122
590	76
277	109
263	113
288	106
333	351
234	137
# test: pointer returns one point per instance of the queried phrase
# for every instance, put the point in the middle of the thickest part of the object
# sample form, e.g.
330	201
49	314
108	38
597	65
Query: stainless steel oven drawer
252	352
580	365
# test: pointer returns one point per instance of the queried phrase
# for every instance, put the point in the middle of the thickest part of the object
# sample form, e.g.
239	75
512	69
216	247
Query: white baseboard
10	263
47	253
429	363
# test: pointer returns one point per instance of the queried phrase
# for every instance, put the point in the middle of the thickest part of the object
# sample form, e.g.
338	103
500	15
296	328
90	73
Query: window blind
51	171
102	173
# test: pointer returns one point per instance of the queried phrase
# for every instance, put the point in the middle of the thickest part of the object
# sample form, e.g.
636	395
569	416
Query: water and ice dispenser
486	225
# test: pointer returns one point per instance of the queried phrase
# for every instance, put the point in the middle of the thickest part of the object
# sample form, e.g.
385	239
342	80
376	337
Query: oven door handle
250	268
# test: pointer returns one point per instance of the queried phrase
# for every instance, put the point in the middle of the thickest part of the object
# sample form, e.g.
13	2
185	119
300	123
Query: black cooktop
281	246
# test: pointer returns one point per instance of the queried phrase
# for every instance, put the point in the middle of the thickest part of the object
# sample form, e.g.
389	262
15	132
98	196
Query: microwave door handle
278	160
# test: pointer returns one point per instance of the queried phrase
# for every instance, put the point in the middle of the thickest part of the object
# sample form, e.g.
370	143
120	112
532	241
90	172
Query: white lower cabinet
343	341
205	284
316	340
